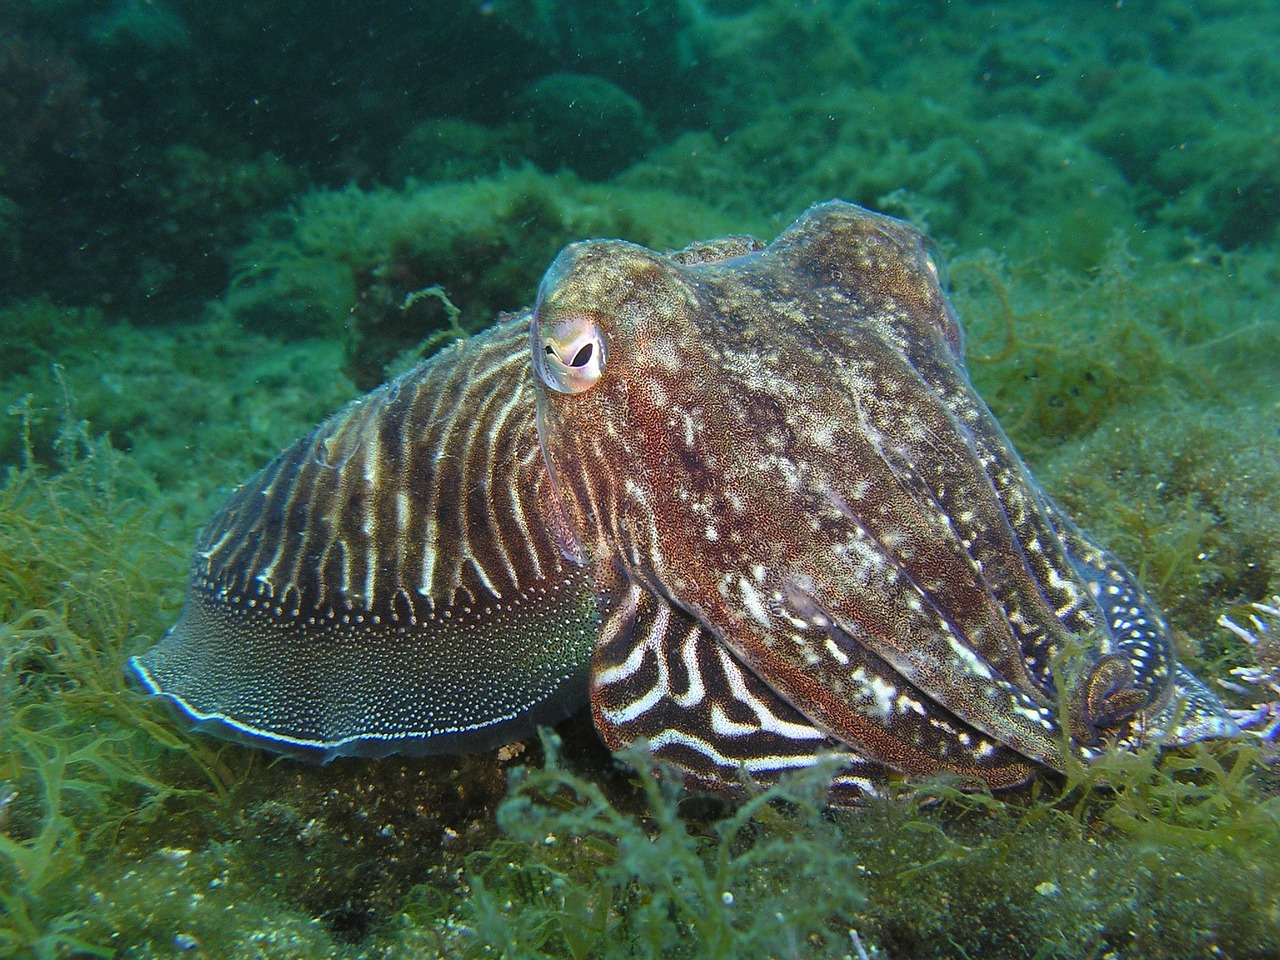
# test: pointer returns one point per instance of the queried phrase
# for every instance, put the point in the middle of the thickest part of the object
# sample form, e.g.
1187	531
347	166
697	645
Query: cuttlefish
741	499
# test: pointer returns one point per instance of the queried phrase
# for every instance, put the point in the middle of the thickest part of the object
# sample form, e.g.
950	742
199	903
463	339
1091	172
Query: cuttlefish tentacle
958	465
659	674
905	602
1139	634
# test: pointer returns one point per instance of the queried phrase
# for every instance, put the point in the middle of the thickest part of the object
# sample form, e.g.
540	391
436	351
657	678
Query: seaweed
1065	351
1133	361
1138	854
80	754
341	262
183	409
580	877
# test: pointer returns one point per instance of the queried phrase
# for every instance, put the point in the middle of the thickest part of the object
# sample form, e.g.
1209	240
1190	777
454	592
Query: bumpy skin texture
813	535
747	490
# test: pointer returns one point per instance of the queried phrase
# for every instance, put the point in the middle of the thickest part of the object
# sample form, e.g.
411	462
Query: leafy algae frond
78	750
580	877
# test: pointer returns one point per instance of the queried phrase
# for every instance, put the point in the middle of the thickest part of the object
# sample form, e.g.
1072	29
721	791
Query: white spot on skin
795	621
754	602
884	693
906	703
839	655
966	656
688	429
402	510
636	491
664	351
860	489
823	434
657	395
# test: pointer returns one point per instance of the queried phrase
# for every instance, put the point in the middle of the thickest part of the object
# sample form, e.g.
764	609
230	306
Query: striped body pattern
392	582
742	498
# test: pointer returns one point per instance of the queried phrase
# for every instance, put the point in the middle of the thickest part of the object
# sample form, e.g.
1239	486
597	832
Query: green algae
343	262
192	407
509	225
80	756
1104	161
1128	855
933	163
582	877
1018	127
1054	352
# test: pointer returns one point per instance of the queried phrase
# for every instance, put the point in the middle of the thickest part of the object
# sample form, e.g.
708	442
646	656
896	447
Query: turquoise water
210	218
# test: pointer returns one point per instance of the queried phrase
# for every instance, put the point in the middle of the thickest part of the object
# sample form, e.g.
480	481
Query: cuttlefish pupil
740	499
573	355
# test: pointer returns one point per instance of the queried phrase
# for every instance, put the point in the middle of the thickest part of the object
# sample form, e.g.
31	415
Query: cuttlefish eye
570	355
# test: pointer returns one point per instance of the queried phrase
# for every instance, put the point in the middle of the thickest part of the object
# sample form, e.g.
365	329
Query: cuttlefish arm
660	676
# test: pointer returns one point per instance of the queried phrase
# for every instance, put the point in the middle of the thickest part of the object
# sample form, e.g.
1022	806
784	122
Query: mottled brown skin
784	446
